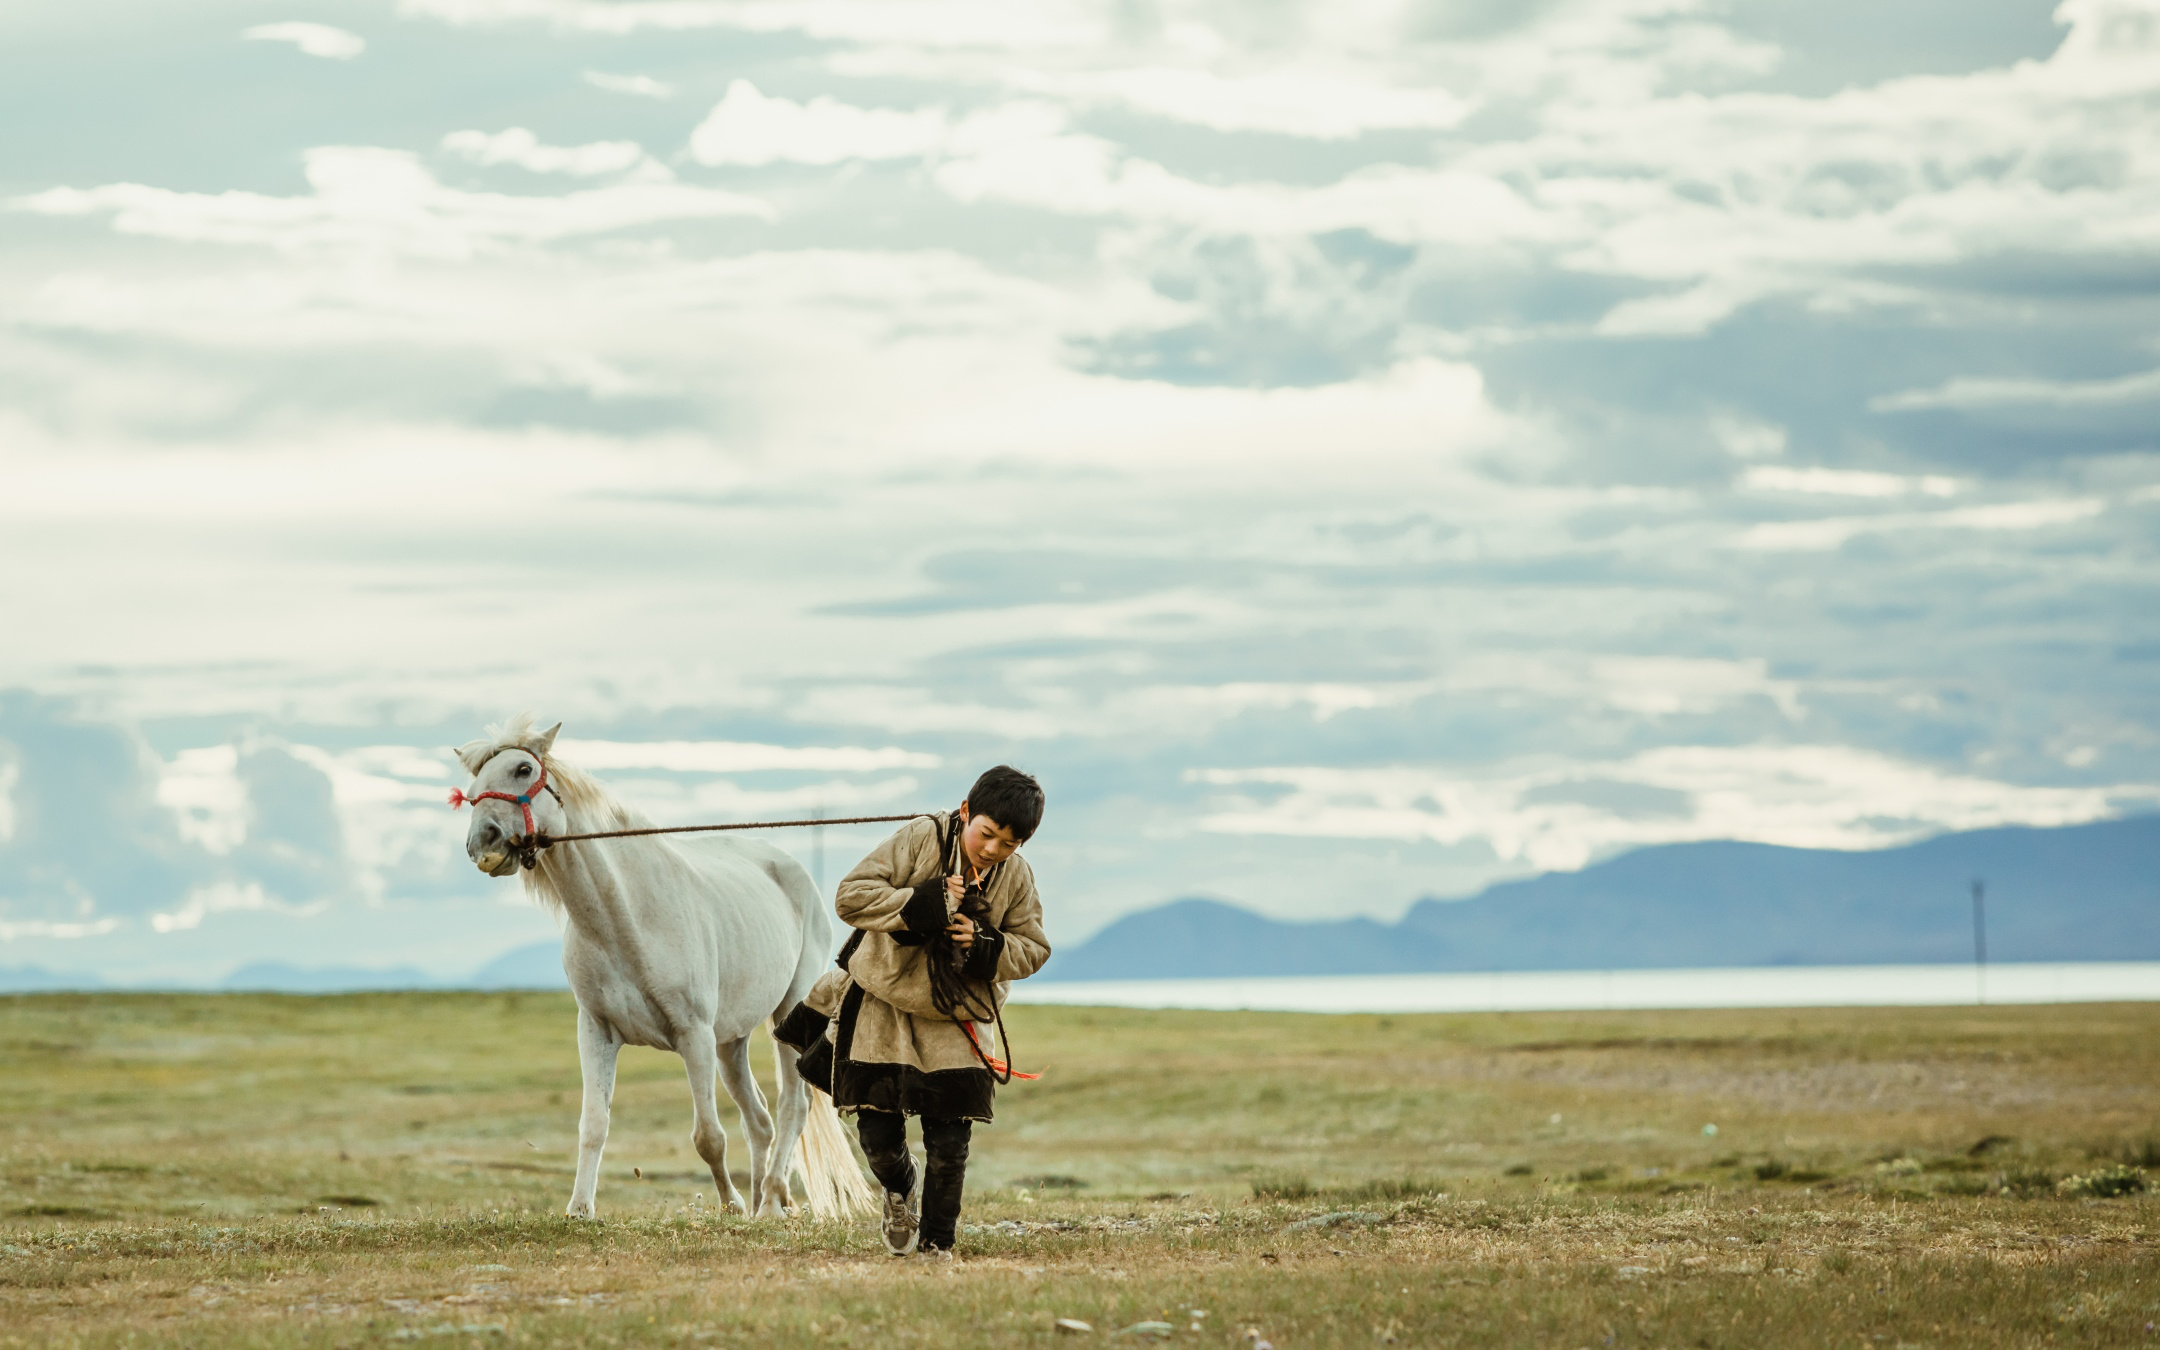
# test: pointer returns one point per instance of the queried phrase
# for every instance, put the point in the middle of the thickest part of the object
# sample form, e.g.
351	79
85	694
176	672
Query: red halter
524	803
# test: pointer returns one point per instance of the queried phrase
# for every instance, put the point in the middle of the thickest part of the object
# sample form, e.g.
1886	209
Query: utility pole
1979	895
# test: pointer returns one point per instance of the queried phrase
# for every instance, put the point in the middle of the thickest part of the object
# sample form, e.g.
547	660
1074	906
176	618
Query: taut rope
543	841
949	991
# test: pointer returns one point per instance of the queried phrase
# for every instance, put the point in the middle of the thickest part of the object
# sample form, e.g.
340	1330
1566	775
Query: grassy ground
259	1170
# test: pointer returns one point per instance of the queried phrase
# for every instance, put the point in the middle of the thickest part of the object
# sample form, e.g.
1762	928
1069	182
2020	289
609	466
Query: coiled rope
951	992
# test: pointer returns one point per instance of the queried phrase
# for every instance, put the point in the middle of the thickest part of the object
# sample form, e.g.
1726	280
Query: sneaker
936	1255
903	1215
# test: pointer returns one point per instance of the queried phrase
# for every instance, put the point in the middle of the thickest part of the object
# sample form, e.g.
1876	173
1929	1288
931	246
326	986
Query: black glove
924	913
982	956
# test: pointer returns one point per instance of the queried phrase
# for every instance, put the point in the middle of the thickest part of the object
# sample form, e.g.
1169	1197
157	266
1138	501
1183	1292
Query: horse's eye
524	771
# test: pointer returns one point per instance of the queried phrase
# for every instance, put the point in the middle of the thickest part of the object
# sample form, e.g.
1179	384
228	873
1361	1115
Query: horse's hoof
776	1205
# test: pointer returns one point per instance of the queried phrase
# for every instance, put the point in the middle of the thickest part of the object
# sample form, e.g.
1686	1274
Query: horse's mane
586	801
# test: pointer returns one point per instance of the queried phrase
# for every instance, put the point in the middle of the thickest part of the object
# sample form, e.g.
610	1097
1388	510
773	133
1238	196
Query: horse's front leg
757	1123
596	1050
702	1064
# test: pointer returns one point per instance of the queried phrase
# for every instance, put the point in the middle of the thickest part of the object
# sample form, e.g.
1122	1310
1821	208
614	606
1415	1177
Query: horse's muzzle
523	853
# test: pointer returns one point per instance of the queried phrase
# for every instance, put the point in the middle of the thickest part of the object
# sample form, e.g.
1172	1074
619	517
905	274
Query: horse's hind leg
706	1132
757	1121
596	1063
792	1113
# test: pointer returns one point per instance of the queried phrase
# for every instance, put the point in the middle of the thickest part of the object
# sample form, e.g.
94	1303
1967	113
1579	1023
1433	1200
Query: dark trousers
945	1151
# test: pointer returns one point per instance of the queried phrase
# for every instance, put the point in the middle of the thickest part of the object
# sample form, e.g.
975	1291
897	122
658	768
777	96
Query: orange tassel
995	1065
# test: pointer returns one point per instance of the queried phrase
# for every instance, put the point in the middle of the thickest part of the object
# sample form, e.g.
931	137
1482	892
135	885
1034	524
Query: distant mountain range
37	979
536	965
2079	893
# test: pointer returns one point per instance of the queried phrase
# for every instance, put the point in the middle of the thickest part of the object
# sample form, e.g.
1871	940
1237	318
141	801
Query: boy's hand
962	929
955	889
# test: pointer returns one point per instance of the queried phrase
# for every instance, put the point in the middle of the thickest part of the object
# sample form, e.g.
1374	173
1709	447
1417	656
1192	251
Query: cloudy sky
1352	452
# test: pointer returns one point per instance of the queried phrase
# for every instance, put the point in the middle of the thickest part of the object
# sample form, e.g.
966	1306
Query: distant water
1563	990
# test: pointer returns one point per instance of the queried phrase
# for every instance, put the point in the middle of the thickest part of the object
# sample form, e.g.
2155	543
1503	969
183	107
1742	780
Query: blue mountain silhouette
2079	893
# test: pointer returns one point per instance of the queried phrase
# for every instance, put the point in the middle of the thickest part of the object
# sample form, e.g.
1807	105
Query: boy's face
985	842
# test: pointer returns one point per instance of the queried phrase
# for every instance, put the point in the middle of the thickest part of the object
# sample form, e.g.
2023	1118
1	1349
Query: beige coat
898	1023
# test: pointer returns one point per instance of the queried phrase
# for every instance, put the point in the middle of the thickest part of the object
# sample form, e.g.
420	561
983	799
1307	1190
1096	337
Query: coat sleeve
878	897
1026	946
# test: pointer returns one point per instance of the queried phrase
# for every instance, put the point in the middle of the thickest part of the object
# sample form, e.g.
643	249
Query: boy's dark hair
1009	797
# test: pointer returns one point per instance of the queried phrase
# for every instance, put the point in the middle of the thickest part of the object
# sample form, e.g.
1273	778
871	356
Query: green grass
264	1170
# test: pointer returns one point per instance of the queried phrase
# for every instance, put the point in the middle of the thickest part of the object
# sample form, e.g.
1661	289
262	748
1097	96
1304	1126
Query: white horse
683	943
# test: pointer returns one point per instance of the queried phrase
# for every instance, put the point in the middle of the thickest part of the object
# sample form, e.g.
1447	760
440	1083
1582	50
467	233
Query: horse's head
511	799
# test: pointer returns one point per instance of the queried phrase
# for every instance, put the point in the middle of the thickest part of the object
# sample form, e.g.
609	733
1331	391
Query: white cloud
1417	423
225	897
391	810
905	711
1664	686
1026	154
66	930
374	200
585	372
1747	196
1829	533
715	802
520	147
2021	515
315	39
748	128
638	86
1291	102
1845	482
202	789
1745	438
1726	200
738	756
983	24
389	806
1974	393
940	356
1800	796
1181	706
1730	199
1651	686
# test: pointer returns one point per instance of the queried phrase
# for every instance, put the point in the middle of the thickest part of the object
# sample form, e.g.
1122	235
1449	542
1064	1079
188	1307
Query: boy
946	917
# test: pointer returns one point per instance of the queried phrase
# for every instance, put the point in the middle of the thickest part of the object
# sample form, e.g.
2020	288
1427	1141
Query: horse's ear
473	754
545	741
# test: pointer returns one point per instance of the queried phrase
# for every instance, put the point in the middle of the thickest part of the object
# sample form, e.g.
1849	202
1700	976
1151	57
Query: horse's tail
833	1185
